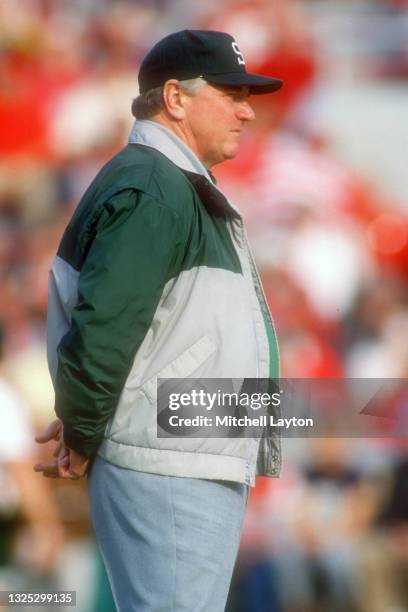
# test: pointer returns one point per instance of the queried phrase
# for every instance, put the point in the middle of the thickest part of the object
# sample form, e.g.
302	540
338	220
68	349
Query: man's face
214	120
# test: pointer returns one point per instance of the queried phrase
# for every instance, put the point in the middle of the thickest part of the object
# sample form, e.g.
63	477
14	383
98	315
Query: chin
228	153
231	152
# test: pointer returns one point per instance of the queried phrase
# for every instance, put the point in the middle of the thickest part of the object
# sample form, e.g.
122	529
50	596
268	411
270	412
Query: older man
154	277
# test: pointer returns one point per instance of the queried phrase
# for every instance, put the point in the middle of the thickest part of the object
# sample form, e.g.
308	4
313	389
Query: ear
174	99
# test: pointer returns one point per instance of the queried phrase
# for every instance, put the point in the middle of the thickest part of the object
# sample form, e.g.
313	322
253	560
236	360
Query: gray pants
169	544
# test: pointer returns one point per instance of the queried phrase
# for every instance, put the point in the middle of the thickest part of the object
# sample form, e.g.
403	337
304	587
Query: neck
181	131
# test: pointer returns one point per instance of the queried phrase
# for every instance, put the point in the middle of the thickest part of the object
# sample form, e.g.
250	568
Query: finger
61	468
63	452
58	449
69	472
45	466
52	432
57	474
64	469
79	469
78	465
54	468
50	471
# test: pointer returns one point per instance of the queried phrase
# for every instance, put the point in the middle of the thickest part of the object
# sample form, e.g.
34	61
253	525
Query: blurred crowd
331	243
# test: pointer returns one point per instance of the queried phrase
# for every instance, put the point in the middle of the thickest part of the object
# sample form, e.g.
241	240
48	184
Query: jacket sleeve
137	248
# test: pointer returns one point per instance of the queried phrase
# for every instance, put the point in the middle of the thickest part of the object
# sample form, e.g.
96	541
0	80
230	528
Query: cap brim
257	84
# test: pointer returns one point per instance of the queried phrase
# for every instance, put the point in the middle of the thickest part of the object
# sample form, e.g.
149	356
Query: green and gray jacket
153	277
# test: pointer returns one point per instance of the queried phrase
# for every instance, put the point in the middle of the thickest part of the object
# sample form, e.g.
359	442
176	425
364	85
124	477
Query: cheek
205	124
211	131
219	126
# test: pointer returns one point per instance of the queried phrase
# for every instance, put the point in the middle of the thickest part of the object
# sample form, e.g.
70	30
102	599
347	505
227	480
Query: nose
245	111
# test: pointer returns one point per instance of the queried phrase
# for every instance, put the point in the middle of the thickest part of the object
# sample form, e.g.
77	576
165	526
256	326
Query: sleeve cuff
85	447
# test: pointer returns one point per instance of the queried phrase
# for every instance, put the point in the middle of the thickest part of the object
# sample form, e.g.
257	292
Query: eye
234	95
238	95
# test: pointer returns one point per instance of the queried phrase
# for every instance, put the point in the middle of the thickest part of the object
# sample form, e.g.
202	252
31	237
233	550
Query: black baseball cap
188	54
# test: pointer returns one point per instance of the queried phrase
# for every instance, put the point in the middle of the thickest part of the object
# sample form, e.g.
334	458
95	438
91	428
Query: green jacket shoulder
144	169
136	173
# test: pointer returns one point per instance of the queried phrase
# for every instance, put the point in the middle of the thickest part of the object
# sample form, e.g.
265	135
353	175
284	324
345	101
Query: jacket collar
155	135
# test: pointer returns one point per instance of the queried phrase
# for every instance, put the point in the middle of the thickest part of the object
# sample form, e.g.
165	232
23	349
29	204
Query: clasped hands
67	463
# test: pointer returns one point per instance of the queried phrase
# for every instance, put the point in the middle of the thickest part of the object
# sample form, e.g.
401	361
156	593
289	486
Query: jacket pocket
183	366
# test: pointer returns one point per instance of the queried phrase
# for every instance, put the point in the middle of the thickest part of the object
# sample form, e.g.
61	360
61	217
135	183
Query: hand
68	463
54	431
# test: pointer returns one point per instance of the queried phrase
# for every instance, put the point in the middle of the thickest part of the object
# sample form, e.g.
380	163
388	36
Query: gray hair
151	102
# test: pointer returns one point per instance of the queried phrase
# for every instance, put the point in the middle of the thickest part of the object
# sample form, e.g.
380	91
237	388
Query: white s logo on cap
238	53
